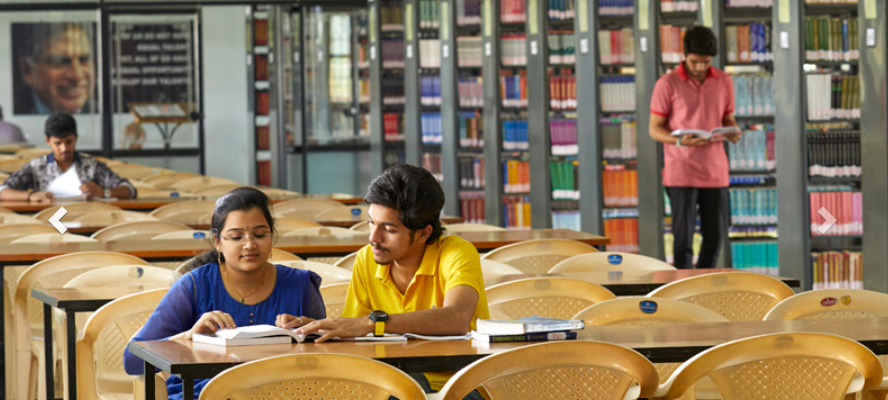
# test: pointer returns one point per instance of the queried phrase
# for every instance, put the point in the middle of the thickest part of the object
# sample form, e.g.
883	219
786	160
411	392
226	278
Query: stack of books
616	7
623	233
516	174
513	91
758	257
834	154
560	10
618	137
430	90
516	210
617	93
616	46
564	180
528	329
679	5
471	129
749	43
563	136
754	151
833	97
468	53
837	270
513	49
393	89
846	206
471	172
471	92
393	126
392	16
753	206
753	95
620	188
432	163
432	129
831	39
430	53
563	92
566	219
672	43
513	11
429	14
562	47
468	12
515	135
393	53
472	207
753	3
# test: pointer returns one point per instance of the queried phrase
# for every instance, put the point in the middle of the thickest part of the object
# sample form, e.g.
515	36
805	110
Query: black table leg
187	389
47	346
149	381
71	331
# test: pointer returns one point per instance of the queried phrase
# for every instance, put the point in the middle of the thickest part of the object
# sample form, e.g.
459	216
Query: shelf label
487	49
643	44
445	51
296	57
706	9
784	12
532	17
408	22
488	18
644	14
870	9
583	9
372	52
784	39
533	47
584	45
409	51
871	37
445	17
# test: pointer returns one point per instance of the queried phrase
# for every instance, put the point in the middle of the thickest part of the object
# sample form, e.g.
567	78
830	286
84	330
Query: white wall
228	131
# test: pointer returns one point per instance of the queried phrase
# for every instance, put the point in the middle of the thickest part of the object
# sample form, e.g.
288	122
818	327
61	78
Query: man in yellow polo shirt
410	279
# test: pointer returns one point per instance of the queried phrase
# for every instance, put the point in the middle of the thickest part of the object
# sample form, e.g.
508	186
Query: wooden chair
284	225
52	238
738	296
3	177
458	228
327	376
494	268
109	217
191	184
558	370
329	274
538	256
143	193
4	210
10	167
279	256
215	190
8	157
334	296
193	212
100	373
349	213
545	297
323	231
75	210
10	232
189	234
781	366
166	180
838	304
347	262
610	261
363	226
32	152
53	272
639	311
133	172
275	192
303	208
138	230
15	219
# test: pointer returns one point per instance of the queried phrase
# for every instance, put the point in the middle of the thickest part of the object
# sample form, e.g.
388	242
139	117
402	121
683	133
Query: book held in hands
715	135
268	334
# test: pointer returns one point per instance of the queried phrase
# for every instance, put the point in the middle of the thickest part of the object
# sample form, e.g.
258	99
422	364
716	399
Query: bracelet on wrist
678	143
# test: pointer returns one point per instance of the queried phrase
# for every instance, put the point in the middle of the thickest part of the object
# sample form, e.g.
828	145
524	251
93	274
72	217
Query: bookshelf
422	82
265	90
387	84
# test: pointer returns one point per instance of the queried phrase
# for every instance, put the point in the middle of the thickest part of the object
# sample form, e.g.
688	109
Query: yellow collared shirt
447	263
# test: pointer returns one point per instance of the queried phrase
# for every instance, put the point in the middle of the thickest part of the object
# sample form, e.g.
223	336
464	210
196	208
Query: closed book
527	325
530	337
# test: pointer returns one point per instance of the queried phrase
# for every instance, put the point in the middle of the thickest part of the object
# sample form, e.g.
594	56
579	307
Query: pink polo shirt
688	104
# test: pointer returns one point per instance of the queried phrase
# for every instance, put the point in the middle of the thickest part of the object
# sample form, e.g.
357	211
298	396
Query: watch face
378	314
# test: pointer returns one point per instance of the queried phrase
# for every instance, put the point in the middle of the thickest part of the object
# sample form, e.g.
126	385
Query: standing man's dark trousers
714	206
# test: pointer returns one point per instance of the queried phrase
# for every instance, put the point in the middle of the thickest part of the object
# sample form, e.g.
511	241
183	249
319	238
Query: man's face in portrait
62	74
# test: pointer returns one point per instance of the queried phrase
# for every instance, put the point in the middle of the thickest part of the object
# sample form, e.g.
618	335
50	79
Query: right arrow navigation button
830	220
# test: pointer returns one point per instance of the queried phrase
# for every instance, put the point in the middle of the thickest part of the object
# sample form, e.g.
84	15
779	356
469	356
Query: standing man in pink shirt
695	95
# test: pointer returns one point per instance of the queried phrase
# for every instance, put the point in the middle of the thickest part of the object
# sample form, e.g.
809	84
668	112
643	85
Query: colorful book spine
471	92
617	93
754	151
753	95
513	11
618	138
831	39
472	207
516	176
430	90
834	154
562	47
616	7
616	46
563	92
672	43
516	210
471	172
393	126
620	188
513	91
753	206
468	12
564	180
429	14
563	136
837	270
468	51
758	257
623	233
430	124
515	135
833	97
432	163
471	129
844	205
560	10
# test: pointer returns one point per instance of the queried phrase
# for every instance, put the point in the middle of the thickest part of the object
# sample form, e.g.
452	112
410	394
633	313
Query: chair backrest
10	232
4	210
138	230
187	212
100	373
738	296
348	213
32	152
15	219
493	268
363	226
55	272
191	184
166	180
558	370
284	225
161	194
831	304
11	166
545	297
327	376
610	261
112	217
7	157
133	172
303	208
329	274
347	262
646	311
279	256
275	192
75	210
3	176
52	238
189	234
146	276
538	256
457	228
215	190
334	296
323	231
794	365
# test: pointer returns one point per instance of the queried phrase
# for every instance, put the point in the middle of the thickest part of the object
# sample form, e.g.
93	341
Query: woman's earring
219	252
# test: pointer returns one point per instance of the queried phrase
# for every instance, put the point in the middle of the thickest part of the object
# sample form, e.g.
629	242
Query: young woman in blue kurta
239	289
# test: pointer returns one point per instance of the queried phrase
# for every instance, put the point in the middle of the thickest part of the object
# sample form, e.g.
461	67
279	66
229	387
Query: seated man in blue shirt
31	182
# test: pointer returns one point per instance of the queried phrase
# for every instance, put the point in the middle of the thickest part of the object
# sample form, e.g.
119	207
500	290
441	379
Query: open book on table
268	334
715	135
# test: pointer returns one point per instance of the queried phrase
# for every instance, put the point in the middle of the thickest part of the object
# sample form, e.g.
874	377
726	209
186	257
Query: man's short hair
701	41
60	125
414	193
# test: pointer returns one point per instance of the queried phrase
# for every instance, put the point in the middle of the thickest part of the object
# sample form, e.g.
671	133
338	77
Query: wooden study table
627	283
148	204
71	301
659	343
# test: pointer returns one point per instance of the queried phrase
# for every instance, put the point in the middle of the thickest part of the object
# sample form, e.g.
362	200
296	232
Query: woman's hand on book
288	321
213	321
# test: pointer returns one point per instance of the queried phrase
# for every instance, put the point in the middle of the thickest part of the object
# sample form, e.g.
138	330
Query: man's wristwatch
679	142
379	318
107	193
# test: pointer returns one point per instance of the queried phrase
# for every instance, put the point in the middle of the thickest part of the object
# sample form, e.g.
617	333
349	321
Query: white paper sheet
66	185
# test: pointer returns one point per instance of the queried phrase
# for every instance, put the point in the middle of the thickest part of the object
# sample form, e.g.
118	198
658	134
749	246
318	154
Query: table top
316	246
82	299
659	343
628	283
153	203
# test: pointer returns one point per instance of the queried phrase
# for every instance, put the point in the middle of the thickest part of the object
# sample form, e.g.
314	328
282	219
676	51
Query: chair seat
115	383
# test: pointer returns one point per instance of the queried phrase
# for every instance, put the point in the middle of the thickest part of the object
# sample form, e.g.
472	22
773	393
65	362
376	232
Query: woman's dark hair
701	41
414	193
240	199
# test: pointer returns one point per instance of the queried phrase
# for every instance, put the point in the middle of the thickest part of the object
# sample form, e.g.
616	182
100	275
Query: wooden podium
163	116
